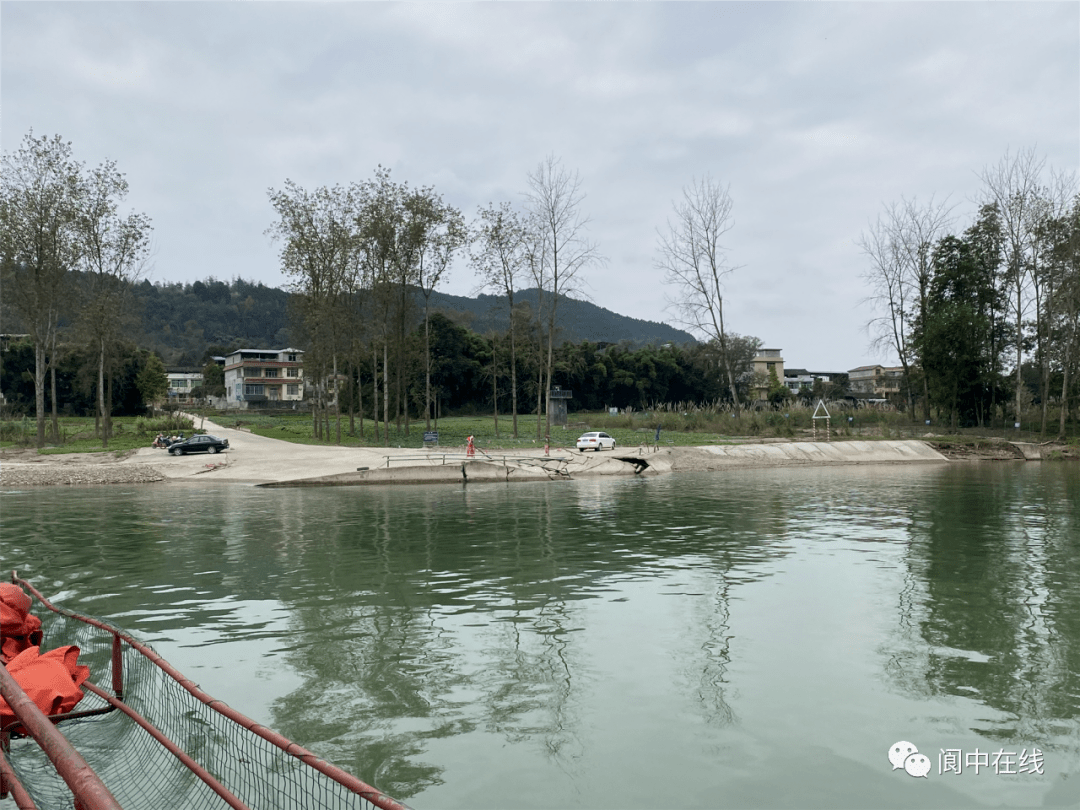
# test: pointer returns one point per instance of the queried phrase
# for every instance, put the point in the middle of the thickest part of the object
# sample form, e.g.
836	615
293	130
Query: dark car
199	444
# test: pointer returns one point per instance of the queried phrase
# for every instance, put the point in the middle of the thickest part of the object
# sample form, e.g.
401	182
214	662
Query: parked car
595	441
204	443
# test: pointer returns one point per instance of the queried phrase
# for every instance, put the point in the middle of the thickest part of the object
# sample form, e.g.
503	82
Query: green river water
749	639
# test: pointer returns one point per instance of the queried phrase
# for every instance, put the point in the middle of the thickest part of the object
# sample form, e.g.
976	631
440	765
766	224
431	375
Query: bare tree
891	295
554	201
39	246
498	255
1013	187
694	262
899	246
918	228
535	252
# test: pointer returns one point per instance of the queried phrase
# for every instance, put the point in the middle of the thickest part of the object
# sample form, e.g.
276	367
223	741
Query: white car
595	441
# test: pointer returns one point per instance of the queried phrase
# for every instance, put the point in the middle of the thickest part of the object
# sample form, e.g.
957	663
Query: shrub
146	426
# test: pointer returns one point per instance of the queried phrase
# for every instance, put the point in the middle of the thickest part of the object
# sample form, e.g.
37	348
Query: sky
814	115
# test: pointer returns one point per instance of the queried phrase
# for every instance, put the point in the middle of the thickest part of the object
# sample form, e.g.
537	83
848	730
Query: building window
293	372
271	372
293	390
254	390
292	358
250	371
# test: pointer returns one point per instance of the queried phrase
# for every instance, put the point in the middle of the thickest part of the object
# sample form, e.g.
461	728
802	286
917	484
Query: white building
181	382
256	376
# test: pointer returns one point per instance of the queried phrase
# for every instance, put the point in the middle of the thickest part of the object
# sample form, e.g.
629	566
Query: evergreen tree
152	383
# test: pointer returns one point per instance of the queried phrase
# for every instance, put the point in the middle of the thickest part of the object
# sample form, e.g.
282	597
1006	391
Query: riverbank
262	461
259	460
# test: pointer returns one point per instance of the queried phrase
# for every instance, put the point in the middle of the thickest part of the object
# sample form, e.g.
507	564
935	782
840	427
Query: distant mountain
181	320
576	320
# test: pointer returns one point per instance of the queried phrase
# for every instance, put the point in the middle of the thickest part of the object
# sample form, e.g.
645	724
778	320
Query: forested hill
577	320
180	321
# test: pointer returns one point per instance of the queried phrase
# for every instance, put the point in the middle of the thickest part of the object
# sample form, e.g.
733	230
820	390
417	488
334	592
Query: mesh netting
138	770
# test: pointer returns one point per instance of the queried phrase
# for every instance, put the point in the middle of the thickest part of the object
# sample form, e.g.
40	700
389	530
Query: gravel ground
13	475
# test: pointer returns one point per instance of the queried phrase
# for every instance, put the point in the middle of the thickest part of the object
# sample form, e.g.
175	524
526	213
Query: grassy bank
681	429
77	434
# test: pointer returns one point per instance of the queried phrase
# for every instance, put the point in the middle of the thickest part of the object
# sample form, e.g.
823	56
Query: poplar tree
436	232
694	261
498	256
1012	187
39	246
562	248
115	252
320	251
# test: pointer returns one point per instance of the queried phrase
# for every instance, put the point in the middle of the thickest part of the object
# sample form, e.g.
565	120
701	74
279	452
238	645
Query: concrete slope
849	452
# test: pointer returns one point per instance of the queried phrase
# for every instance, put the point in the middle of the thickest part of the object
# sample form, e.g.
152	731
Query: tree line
471	373
356	252
965	311
68	256
985	320
364	260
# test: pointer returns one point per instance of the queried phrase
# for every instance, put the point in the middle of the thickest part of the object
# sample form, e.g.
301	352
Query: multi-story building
181	383
257	376
766	361
877	381
801	382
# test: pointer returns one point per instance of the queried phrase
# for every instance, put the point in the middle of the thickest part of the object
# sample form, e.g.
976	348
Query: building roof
266	351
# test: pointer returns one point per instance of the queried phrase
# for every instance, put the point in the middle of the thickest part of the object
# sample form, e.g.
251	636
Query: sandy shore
258	460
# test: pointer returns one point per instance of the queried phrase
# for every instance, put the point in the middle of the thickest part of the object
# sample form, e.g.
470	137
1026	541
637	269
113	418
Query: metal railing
442	459
86	786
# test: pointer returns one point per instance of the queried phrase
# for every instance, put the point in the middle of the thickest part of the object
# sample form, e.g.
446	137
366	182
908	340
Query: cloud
816	114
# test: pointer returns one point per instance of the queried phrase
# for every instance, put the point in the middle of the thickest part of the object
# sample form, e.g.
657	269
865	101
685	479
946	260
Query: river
751	639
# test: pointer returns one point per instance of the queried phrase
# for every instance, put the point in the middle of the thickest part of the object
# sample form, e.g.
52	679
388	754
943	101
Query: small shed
558	397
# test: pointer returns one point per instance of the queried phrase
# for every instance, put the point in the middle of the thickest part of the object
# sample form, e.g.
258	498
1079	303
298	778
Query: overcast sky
815	114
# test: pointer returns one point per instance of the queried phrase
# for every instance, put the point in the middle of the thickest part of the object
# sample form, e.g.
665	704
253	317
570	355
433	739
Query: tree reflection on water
583	631
468	615
991	607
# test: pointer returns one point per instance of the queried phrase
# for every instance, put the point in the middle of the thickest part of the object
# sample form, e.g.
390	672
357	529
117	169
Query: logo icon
917	765
905	755
901	751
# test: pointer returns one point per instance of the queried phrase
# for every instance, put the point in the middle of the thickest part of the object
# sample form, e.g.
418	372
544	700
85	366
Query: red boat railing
90	791
73	769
